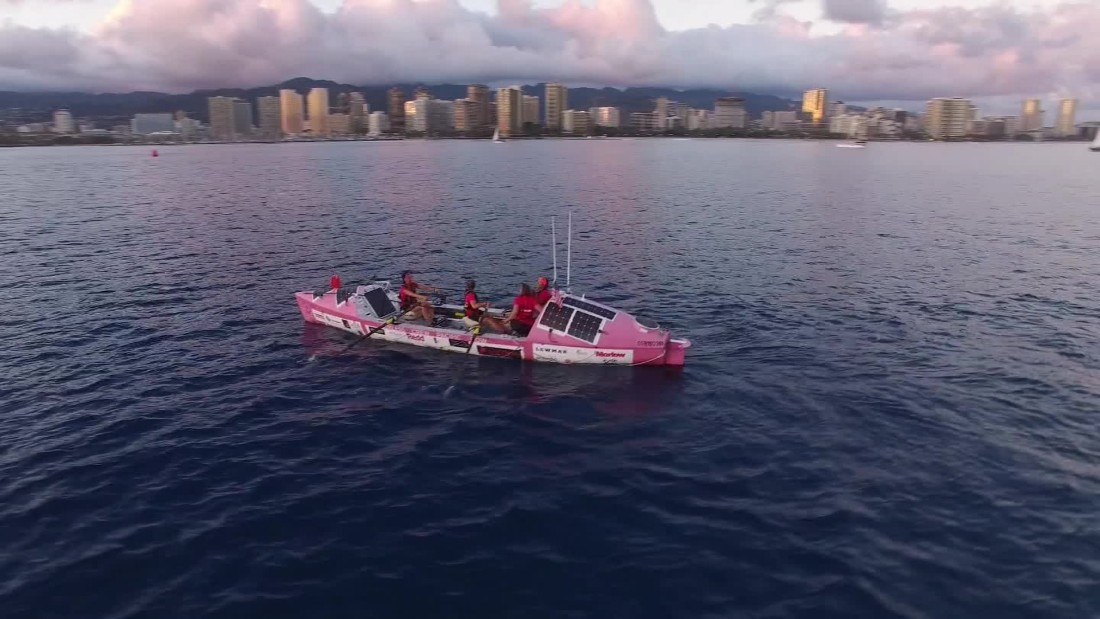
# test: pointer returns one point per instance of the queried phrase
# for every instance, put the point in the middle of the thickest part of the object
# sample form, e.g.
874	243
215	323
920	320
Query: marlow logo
613	355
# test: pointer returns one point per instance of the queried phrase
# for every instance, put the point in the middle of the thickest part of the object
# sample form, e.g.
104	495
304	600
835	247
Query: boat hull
327	310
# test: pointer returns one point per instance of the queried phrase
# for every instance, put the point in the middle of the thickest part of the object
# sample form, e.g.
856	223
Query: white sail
1096	140
496	135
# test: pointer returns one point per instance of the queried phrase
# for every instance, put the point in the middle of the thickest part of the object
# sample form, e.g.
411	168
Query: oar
381	327
462	368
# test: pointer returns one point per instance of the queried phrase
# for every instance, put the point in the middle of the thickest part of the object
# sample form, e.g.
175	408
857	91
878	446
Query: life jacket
403	295
472	312
543	296
527	309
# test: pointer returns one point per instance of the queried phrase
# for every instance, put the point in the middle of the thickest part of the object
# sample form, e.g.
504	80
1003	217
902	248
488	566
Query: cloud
874	54
855	11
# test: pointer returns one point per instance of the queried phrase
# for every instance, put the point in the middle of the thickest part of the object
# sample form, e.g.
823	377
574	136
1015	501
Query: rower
542	291
477	312
413	304
524	311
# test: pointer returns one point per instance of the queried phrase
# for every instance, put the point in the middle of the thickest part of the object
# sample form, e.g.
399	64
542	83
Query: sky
897	52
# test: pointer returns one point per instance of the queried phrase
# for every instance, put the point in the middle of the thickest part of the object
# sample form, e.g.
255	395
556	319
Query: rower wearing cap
414	304
542	291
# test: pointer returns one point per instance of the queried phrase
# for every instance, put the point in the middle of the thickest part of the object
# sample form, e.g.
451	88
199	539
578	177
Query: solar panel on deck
588	307
585	326
556	317
379	302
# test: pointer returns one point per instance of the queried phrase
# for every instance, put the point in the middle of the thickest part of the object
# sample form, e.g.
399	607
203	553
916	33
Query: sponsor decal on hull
353	326
570	354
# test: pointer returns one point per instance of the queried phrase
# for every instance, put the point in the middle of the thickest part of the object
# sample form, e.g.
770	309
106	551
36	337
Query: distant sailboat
1095	146
155	153
496	136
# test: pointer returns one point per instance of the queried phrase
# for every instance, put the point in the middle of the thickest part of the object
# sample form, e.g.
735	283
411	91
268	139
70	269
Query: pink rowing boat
569	329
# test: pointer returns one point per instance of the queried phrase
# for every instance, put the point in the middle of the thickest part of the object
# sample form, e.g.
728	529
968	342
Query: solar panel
588	307
555	317
585	326
379	302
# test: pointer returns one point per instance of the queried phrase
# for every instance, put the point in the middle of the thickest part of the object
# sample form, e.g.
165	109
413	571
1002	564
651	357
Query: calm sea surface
892	407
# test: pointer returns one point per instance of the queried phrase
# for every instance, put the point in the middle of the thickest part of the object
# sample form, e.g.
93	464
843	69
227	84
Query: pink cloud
880	53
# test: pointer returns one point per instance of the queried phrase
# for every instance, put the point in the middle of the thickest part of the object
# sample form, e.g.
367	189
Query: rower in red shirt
542	292
414	304
524	311
476	311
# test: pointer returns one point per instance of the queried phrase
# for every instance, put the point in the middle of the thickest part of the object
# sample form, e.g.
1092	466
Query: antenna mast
569	252
554	244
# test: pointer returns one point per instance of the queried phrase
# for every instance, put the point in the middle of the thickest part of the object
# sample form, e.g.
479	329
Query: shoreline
77	142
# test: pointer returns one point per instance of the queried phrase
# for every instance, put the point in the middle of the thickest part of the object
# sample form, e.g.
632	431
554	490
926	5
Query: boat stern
676	352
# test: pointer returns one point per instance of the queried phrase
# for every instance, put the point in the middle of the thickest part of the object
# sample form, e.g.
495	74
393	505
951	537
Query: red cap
543	281
334	282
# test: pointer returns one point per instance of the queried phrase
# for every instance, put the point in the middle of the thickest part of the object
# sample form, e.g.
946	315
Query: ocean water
891	409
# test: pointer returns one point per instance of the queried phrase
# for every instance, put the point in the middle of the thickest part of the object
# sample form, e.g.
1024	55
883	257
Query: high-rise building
698	119
317	111
339	124
1032	117
576	122
465	115
268	109
509	111
144	124
850	125
242	119
221	117
947	118
188	128
729	112
530	109
421	92
291	111
836	108
478	94
660	113
814	104
683	111
358	110
410	116
395	106
642	122
781	120
63	122
379	123
606	116
557	100
1067	118
441	115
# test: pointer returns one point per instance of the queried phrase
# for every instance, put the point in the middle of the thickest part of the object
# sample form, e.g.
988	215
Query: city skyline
1006	52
